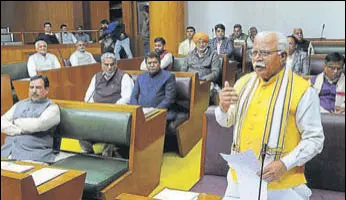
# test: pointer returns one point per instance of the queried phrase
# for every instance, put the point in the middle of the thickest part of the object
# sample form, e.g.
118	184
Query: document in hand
246	166
45	174
169	194
15	167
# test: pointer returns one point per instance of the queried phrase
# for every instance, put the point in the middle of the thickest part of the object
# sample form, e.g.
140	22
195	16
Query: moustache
260	65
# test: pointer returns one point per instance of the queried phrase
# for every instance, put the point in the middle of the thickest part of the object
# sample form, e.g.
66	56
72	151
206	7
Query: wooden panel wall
167	20
99	10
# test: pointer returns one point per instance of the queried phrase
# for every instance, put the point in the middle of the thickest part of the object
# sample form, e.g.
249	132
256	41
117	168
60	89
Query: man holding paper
276	108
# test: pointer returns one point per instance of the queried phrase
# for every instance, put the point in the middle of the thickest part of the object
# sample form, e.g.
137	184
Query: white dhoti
232	190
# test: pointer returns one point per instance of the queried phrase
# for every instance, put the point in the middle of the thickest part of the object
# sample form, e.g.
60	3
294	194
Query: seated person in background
48	35
204	61
221	44
67	37
297	60
156	88
81	56
238	36
122	40
109	86
80	35
42	60
187	45
165	57
302	44
30	124
249	42
330	84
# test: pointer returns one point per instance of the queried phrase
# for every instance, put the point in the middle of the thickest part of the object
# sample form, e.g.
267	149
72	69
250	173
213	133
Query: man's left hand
273	171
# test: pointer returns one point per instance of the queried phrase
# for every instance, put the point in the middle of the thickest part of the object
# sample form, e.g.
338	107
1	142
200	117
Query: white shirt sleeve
6	123
143	66
89	95
56	62
48	118
126	89
73	59
225	119
166	60
308	119
31	66
92	58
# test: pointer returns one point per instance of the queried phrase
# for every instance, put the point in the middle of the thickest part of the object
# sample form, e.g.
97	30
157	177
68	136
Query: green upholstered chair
95	126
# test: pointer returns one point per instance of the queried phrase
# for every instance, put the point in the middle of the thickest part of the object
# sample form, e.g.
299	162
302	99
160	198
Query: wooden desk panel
20	186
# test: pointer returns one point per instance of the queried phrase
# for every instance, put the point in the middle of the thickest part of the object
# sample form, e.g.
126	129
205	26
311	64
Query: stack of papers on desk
149	111
169	194
45	174
9	166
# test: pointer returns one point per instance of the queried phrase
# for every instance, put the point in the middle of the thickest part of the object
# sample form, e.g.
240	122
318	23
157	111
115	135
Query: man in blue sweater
155	88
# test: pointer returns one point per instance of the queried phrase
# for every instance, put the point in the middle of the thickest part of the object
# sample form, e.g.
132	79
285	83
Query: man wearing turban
204	61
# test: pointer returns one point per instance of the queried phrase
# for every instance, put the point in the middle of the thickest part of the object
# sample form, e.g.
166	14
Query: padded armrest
15	70
95	126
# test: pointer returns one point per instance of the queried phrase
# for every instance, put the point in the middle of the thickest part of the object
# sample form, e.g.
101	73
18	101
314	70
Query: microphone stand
263	155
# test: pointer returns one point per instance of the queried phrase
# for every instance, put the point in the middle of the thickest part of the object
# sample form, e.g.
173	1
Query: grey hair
282	42
108	55
36	43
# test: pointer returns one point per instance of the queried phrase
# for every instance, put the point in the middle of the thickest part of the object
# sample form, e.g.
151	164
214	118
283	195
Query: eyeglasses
80	45
263	52
333	68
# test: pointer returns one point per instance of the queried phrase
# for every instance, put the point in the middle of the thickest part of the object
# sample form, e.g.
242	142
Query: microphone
263	155
322	31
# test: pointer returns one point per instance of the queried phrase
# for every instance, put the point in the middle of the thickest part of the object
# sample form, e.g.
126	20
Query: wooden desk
19	186
202	196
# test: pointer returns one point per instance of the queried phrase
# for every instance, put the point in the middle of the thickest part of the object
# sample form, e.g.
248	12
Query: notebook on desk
9	166
45	174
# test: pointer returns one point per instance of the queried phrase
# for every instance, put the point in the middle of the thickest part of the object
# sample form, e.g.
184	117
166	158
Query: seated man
302	44
165	57
30	124
80	35
221	44
249	42
109	86
205	62
122	41
42	60
187	45
238	36
67	37
48	35
156	88
81	56
297	60
330	84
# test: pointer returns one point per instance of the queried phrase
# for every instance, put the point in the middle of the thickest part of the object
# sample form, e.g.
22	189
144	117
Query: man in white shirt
186	46
290	133
165	56
30	125
67	37
42	60
81	56
111	85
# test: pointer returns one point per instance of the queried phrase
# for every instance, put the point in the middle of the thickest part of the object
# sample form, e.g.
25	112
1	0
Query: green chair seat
101	171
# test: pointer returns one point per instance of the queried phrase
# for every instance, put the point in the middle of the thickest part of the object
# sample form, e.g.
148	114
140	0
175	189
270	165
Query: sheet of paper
246	166
45	174
15	167
169	194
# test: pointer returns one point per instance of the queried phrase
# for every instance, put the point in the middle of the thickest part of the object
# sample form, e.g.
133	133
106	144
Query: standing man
42	60
302	44
186	46
30	125
111	85
145	32
221	44
330	84
106	37
48	36
81	56
122	41
165	56
277	107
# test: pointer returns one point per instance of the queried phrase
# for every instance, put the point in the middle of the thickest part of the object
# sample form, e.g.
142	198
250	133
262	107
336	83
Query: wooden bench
72	83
